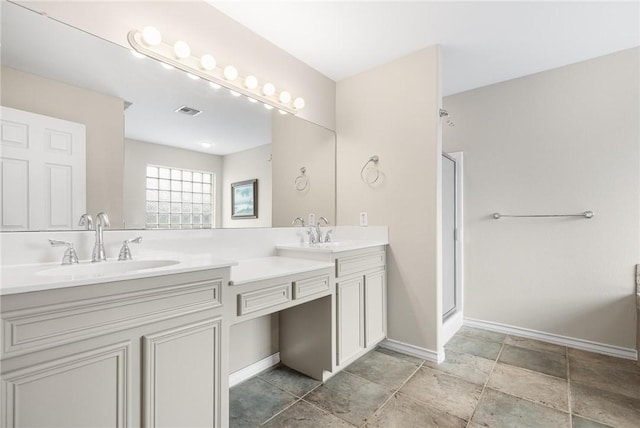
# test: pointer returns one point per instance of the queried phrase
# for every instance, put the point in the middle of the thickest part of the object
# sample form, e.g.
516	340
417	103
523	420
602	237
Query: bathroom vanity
110	353
114	344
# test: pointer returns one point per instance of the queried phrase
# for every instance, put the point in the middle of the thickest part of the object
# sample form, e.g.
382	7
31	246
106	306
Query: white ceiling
482	42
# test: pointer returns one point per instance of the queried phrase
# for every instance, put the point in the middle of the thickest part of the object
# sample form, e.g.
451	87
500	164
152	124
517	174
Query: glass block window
179	198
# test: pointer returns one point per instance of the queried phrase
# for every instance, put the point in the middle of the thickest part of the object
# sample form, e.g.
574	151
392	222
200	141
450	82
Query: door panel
182	376
89	389
350	318
43	171
374	295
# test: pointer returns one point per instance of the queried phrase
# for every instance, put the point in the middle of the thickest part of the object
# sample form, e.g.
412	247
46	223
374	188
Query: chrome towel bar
586	214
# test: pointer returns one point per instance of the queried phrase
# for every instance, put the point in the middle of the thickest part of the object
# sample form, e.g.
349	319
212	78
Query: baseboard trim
255	368
585	345
414	351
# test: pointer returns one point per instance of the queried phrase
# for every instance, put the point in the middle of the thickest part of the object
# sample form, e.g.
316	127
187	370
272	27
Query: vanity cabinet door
350	314
375	307
181	376
86	389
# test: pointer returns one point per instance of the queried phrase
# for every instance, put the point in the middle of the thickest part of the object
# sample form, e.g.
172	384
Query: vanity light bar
179	56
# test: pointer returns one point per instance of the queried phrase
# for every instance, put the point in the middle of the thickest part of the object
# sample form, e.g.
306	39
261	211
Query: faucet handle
125	251
327	236
70	256
298	220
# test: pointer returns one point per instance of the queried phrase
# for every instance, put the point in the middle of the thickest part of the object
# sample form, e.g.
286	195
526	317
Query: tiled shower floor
488	379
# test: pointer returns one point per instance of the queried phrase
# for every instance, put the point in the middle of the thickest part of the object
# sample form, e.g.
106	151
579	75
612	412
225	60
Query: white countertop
332	247
259	269
34	277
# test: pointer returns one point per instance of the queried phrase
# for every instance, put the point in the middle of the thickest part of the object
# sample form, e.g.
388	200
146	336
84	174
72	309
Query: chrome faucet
102	221
298	220
313	235
87	221
319	231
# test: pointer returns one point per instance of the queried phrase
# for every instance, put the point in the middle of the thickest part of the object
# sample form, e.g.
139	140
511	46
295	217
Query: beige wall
138	154
560	141
296	144
104	120
206	30
252	341
247	165
392	112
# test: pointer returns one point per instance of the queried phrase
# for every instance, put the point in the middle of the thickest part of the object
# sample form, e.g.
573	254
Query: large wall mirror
89	127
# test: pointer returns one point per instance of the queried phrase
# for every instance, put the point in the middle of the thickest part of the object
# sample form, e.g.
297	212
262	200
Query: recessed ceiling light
205	144
189	111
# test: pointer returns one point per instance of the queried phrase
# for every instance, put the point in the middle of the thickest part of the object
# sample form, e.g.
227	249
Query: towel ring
302	181
369	172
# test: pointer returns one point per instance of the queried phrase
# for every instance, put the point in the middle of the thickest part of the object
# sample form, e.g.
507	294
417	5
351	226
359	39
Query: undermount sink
107	268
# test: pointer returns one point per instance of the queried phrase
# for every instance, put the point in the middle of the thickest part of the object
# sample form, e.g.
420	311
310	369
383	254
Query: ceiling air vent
188	111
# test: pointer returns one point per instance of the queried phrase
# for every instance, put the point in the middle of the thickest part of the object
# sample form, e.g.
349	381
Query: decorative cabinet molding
53	325
362	262
85	389
375	307
350	318
311	286
181	376
254	301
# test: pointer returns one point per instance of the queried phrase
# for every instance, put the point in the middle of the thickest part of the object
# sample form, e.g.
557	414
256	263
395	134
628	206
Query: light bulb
234	93
285	97
298	103
251	82
151	36
137	54
268	107
181	50
230	72
214	85
268	89
207	62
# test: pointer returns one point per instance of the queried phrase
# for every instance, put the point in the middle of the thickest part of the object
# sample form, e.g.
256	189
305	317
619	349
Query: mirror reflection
89	127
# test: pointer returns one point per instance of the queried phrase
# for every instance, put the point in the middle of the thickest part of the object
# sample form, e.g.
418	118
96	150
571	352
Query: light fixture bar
164	53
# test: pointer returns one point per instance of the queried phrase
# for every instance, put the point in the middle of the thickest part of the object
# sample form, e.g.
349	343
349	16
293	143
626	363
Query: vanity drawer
310	286
53	325
359	263
254	301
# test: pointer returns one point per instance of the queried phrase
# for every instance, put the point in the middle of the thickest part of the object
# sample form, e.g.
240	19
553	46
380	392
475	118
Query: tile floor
488	380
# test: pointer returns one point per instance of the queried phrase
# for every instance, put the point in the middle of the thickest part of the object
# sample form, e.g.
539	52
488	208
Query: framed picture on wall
244	199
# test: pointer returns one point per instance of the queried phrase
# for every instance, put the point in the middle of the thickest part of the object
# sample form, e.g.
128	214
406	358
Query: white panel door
43	171
181	369
88	389
375	307
350	313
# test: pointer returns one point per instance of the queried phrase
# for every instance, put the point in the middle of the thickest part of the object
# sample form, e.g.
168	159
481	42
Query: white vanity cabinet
360	302
143	352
